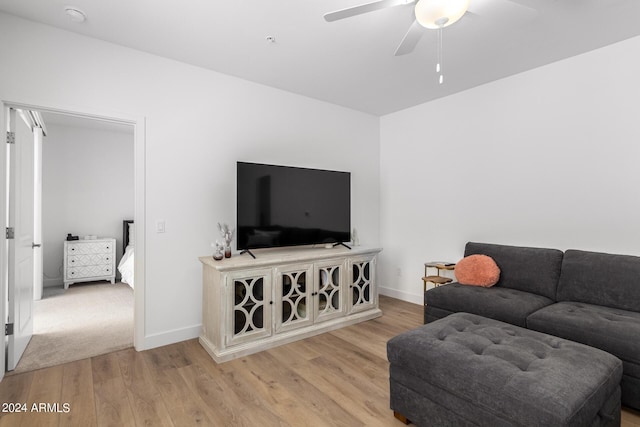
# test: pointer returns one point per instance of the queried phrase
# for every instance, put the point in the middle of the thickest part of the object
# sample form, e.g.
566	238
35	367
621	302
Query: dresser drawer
89	259
89	271
81	248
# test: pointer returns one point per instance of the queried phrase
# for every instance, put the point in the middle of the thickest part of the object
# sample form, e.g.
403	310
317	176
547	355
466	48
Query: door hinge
8	329
11	137
10	233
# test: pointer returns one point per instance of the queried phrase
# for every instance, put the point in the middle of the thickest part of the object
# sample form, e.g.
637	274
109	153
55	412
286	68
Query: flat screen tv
291	206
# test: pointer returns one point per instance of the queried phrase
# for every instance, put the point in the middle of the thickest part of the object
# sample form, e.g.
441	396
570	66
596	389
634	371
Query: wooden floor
338	378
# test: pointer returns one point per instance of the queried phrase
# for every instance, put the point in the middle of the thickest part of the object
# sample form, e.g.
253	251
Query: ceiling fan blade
410	39
364	8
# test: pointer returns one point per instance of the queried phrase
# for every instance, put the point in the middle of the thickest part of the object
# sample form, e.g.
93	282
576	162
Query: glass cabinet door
329	294
361	283
249	301
294	286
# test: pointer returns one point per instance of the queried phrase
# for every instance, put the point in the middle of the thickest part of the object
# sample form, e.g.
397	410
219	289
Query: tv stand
342	244
248	251
250	305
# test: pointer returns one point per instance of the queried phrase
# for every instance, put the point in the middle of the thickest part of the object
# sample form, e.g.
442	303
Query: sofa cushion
509	305
602	279
526	269
609	329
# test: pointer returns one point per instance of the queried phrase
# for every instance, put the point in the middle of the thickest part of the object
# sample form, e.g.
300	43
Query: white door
20	266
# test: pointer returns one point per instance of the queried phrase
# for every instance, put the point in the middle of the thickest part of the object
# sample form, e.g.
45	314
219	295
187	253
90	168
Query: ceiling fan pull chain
439	66
438	50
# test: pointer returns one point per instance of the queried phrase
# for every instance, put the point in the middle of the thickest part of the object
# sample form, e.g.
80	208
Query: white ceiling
348	62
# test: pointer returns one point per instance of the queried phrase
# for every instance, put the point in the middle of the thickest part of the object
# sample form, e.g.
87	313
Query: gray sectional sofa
588	297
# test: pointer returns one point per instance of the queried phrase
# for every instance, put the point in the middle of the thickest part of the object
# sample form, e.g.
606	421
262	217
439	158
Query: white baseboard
170	337
404	296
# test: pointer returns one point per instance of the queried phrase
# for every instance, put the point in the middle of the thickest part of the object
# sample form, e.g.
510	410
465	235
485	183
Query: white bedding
125	267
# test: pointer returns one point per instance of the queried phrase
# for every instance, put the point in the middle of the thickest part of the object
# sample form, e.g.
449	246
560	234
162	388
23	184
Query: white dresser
89	260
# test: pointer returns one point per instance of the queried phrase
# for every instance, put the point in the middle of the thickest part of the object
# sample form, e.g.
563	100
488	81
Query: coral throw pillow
477	270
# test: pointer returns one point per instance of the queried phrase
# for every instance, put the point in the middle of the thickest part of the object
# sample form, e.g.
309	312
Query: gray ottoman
466	370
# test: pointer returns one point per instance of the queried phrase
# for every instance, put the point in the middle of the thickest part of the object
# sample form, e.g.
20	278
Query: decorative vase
218	253
227	235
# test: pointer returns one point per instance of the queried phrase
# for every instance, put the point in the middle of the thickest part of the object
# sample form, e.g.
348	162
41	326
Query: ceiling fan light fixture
434	14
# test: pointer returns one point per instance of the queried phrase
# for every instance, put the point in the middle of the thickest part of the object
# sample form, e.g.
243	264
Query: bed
125	267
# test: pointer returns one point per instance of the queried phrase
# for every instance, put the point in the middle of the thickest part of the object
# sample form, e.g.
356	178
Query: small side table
437	280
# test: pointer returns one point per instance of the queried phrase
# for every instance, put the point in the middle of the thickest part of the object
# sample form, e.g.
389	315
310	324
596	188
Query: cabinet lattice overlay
329	277
249	305
361	283
294	297
284	295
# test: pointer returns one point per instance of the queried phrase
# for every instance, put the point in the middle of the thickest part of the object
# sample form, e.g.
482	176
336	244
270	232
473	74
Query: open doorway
87	193
89	189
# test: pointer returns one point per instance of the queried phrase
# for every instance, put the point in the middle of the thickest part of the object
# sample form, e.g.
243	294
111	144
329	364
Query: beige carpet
86	320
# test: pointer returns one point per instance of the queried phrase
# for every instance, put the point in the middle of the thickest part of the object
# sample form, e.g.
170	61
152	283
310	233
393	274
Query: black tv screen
290	206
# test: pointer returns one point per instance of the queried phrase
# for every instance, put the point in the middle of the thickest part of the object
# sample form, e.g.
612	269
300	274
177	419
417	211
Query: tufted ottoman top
525	376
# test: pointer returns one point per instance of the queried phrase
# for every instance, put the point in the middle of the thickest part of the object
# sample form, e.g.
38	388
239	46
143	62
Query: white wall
87	189
545	158
198	124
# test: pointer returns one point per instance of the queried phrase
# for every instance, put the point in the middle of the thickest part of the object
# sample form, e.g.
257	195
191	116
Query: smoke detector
75	14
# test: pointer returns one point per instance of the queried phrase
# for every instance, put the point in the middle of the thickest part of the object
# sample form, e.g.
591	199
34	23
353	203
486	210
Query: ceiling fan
432	14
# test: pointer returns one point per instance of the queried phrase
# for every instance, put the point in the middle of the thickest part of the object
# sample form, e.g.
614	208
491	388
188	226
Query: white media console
249	305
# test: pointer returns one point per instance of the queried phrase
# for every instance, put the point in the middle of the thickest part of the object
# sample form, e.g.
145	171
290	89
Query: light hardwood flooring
338	378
